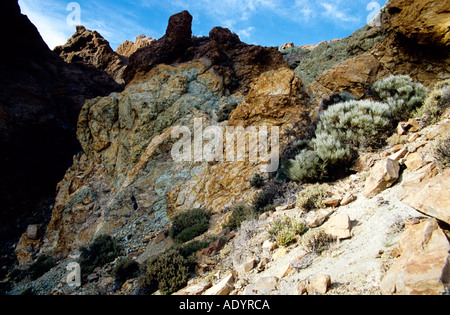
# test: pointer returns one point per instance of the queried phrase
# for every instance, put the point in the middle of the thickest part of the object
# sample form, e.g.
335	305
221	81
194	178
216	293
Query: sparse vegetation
285	230
437	101
342	130
102	250
239	214
126	268
317	241
257	181
189	225
311	197
442	152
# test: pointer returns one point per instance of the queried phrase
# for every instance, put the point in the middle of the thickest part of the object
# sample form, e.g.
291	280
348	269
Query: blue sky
262	22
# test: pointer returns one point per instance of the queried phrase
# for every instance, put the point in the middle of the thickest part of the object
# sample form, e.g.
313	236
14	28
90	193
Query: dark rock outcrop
91	48
237	62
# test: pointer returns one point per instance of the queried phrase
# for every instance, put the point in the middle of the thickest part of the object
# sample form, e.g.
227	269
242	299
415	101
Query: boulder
382	176
423	266
338	226
319	285
430	196
224	287
33	231
265	285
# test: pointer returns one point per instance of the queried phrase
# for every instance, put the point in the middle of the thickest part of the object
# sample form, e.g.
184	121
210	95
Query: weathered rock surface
382	176
426	21
127	141
128	48
423	267
431	196
338	226
236	62
91	48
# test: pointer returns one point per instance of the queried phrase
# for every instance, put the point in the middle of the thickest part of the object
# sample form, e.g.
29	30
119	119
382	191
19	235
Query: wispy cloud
50	18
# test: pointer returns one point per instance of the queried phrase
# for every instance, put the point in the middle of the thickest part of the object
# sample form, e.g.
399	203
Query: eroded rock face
127	173
128	48
423	265
426	21
91	48
236	62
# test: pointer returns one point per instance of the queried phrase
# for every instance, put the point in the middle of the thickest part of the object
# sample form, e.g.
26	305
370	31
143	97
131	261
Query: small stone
331	202
348	198
339	226
33	231
320	285
244	268
302	287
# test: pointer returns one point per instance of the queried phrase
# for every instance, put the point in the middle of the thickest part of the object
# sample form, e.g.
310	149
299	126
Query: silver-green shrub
342	129
402	94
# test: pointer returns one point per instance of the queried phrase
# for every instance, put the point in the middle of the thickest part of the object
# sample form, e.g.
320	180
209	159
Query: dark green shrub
125	269
189	225
257	181
43	264
102	250
168	273
265	198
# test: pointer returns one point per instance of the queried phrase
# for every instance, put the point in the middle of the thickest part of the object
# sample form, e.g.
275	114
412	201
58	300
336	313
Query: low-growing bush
102	250
285	230
168	273
264	199
125	269
317	242
311	197
257	181
342	130
437	101
442	152
239	214
402	94
189	225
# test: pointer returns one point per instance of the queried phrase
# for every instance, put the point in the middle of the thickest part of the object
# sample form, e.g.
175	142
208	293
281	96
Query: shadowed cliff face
40	99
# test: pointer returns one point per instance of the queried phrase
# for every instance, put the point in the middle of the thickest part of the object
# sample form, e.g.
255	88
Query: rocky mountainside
89	47
40	100
128	48
125	182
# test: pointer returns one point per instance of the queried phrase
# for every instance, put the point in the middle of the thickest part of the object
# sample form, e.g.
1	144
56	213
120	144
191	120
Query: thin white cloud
337	12
49	20
245	33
